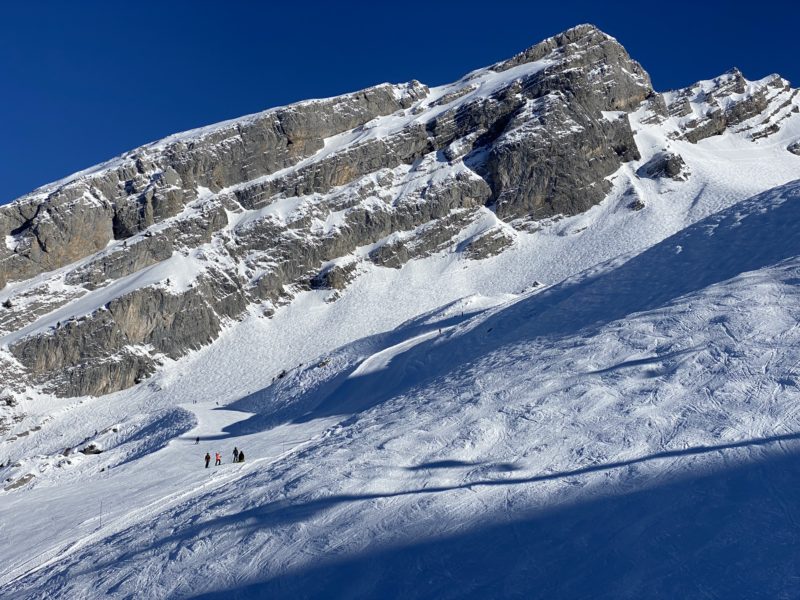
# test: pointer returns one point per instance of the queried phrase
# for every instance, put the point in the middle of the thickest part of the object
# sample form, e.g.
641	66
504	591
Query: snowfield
639	418
608	409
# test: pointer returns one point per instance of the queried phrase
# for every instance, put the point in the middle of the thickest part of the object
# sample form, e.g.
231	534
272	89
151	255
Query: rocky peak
730	102
588	61
149	255
66	221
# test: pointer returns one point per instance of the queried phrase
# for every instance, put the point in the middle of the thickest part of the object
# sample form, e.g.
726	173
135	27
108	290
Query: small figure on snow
218	458
197	440
235	454
208	459
241	455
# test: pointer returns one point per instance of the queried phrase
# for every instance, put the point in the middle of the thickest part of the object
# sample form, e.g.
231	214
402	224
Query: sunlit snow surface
628	428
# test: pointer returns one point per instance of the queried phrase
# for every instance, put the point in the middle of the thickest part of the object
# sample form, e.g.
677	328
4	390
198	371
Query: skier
218	457
208	459
197	440
235	454
241	455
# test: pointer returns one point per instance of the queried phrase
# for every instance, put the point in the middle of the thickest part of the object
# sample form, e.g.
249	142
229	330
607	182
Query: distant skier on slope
218	458
208	459
241	455
235	454
197	440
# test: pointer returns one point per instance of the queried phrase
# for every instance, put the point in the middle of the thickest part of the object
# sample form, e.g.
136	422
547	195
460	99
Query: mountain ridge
533	334
531	138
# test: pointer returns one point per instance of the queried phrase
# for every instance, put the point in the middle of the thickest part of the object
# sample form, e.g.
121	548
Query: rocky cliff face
115	269
730	103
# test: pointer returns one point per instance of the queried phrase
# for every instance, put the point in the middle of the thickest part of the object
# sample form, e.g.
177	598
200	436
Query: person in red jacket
219	459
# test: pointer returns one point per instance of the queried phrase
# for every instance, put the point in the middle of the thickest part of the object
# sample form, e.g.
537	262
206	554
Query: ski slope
607	409
627	432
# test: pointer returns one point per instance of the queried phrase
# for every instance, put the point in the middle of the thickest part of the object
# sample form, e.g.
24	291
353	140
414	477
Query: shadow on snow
731	533
760	232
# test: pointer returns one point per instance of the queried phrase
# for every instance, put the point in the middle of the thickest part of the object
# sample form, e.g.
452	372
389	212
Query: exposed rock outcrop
335	277
664	164
66	221
488	243
149	255
730	102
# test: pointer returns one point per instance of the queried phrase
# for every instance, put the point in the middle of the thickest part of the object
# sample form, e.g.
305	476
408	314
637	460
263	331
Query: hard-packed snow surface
606	409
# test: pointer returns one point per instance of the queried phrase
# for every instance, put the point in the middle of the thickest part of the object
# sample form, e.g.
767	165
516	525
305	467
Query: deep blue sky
85	80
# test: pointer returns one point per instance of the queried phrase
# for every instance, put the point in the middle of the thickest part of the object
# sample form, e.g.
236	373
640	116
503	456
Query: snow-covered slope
628	432
602	405
108	274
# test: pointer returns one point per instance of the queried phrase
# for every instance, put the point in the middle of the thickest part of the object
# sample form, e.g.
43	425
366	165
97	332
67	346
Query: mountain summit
111	271
529	334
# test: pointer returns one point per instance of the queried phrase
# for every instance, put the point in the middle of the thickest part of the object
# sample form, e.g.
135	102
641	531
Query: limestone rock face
127	260
119	344
664	164
488	243
45	236
559	131
530	162
151	254
66	221
335	277
731	103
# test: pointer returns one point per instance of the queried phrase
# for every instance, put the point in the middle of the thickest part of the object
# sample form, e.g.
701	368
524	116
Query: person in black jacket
208	459
241	455
235	454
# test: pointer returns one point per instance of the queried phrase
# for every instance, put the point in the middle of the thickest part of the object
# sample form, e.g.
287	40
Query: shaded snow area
629	432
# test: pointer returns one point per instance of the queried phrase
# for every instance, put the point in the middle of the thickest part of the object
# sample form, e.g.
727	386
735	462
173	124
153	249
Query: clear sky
82	81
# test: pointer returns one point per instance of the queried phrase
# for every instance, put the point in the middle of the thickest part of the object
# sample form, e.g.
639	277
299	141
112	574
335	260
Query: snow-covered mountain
532	333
